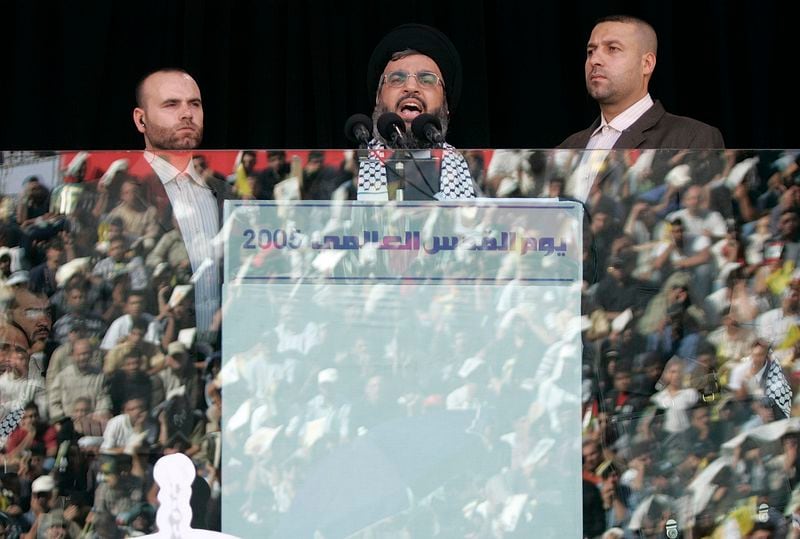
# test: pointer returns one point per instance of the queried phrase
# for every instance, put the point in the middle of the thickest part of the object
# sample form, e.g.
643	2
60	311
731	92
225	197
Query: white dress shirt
195	210
604	138
119	329
117	432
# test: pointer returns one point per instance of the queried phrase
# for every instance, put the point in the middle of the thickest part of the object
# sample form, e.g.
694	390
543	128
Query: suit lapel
221	192
634	136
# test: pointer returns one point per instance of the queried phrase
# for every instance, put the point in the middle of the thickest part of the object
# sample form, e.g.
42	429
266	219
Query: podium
371	348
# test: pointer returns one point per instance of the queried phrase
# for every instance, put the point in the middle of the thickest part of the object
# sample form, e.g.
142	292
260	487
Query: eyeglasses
32	313
426	79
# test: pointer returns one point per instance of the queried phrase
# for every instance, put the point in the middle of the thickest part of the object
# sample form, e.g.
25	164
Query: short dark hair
134	353
38	449
119	239
76	286
140	85
55	243
792	211
116	221
763	526
31	405
677	221
138	293
630	19
139	323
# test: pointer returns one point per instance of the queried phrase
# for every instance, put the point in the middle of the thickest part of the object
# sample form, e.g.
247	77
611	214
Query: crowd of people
98	380
690	363
690	349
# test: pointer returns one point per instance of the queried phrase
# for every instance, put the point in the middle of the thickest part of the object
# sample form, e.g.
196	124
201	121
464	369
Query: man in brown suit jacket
620	59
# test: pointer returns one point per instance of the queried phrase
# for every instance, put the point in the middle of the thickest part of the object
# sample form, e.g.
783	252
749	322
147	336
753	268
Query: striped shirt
195	210
604	138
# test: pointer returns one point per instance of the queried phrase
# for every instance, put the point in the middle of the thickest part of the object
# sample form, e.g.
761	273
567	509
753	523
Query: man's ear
138	119
648	63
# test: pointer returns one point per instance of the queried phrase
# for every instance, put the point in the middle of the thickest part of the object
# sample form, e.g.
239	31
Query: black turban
428	41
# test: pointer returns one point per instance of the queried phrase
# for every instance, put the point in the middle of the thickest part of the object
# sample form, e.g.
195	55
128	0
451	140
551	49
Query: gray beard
411	141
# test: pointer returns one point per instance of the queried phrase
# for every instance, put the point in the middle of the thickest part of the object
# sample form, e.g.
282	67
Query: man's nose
409	84
186	112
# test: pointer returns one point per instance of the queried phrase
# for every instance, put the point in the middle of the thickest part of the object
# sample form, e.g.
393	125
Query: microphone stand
399	140
401	174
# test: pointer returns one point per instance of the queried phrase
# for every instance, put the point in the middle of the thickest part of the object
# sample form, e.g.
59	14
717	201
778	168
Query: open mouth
410	109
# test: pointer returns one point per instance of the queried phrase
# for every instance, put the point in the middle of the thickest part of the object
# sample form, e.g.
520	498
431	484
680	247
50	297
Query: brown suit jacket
155	194
656	129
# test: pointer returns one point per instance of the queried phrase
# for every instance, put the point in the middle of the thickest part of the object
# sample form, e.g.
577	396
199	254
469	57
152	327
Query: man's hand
608	493
71	512
102	415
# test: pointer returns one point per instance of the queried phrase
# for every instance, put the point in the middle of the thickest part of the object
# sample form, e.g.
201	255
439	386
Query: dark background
287	74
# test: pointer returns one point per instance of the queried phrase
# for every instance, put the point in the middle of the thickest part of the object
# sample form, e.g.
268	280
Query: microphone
428	127
392	128
358	129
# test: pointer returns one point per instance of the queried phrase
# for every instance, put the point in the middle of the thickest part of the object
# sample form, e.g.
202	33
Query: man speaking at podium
414	70
169	113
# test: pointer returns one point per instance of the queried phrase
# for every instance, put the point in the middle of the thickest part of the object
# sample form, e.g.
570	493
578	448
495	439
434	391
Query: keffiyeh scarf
455	179
9	423
777	387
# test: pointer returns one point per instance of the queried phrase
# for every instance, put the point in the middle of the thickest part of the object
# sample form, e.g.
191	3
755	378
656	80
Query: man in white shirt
773	326
746	375
759	376
125	429
697	219
169	114
686	252
122	326
620	59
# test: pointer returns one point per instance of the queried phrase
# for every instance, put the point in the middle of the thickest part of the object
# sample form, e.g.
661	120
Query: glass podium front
598	344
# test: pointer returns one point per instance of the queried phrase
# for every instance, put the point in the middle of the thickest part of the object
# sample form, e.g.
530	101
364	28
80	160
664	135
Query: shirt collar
627	117
167	172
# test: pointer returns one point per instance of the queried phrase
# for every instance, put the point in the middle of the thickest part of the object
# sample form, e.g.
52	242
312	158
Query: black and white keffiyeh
455	180
9	423
777	388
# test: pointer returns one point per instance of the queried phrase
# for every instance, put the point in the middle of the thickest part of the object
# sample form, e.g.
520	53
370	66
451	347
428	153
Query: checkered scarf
455	182
9	423
777	387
